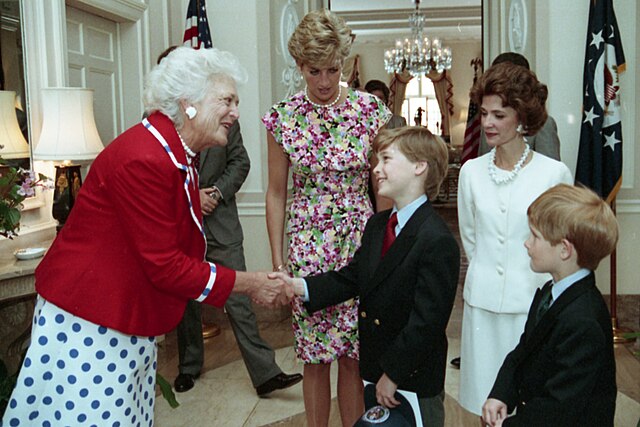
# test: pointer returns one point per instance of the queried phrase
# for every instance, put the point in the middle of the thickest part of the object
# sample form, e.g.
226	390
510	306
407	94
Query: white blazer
494	226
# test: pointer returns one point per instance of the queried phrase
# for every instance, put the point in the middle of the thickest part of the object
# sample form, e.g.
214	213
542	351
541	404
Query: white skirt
487	337
79	373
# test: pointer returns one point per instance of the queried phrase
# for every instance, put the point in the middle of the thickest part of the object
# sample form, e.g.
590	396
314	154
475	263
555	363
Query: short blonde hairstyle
578	215
321	39
419	145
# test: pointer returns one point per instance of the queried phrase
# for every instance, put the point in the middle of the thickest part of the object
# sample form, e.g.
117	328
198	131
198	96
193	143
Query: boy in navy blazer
407	284
562	372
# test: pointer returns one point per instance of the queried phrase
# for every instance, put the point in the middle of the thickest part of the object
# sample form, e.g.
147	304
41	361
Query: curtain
351	71
397	89
444	95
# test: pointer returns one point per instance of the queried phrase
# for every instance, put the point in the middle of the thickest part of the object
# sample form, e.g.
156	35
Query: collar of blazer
381	268
163	126
536	333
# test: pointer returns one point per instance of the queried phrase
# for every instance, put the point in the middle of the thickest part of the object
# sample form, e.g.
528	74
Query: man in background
222	172
379	89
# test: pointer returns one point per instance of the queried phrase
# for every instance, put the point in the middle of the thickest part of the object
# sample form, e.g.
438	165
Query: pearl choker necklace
189	151
505	176
331	104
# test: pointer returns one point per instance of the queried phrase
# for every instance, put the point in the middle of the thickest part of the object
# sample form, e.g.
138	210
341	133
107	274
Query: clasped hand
273	289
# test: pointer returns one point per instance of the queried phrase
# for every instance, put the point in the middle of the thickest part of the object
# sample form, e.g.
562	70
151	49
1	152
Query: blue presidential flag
196	31
600	155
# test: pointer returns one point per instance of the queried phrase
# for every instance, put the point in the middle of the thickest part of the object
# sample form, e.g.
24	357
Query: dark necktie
545	303
196	162
389	233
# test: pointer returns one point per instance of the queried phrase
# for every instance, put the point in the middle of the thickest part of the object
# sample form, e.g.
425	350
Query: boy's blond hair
419	145
578	215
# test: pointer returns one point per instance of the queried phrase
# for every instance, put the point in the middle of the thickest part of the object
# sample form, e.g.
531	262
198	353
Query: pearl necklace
189	151
331	104
505	176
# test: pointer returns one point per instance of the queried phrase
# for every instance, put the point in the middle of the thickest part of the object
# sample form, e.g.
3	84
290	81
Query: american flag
196	32
472	132
600	155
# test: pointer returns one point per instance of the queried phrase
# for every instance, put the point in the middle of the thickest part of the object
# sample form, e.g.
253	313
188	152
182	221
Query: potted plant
16	184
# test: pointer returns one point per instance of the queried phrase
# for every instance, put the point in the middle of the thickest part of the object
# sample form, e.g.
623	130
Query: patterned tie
389	233
545	303
196	162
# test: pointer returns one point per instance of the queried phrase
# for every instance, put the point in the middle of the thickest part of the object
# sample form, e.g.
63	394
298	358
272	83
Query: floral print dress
328	150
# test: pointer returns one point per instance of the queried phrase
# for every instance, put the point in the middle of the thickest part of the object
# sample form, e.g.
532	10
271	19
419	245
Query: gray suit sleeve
546	141
237	167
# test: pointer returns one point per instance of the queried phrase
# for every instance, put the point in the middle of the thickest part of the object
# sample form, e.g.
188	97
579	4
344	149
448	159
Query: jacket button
377	322
363	314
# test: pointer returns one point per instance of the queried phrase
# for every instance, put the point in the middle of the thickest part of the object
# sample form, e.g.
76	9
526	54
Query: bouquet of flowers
16	184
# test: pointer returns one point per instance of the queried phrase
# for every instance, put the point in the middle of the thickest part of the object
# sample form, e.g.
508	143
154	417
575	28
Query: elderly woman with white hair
131	255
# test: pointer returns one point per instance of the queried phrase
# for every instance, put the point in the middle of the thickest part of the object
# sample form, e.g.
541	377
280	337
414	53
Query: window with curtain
420	93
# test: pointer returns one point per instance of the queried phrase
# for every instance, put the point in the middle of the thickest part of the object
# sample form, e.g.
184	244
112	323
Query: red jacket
131	253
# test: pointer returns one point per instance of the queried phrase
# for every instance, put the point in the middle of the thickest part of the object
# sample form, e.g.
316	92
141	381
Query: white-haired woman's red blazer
131	253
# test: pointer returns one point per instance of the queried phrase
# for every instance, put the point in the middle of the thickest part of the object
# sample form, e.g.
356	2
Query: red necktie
389	233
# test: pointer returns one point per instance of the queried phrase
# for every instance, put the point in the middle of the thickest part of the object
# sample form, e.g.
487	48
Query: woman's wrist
280	268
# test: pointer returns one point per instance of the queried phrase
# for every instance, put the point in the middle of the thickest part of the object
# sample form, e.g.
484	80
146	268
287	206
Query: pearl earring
191	112
520	129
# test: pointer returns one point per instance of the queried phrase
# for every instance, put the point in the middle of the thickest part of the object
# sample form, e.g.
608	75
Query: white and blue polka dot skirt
77	373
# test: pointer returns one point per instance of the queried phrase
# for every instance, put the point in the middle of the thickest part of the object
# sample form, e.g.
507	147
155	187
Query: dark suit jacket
227	168
562	372
405	299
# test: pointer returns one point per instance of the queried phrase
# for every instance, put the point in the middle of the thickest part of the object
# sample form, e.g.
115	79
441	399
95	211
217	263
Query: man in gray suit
222	172
546	141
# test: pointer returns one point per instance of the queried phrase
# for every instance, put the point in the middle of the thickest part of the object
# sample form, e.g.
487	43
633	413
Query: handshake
269	289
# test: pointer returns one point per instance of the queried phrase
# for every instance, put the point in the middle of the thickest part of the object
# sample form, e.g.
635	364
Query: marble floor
224	396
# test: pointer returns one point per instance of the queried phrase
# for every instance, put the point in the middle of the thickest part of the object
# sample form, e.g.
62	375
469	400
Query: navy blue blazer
406	299
562	372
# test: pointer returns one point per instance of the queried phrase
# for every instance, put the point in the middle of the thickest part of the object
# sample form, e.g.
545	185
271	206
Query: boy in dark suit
562	372
406	284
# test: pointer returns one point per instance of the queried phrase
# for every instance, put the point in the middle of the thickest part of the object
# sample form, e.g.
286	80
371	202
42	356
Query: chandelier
418	54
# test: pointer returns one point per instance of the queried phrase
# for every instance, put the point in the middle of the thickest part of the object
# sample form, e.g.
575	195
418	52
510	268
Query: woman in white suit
494	193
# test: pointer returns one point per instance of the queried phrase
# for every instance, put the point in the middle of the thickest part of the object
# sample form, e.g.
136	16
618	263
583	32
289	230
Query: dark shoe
278	382
455	362
184	382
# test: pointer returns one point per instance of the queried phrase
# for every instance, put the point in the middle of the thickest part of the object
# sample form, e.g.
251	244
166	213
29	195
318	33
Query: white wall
560	49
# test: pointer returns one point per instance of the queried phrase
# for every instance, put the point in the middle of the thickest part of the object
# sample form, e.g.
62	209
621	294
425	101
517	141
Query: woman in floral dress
324	134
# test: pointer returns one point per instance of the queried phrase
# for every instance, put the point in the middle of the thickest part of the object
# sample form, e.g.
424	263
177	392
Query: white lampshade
15	146
68	127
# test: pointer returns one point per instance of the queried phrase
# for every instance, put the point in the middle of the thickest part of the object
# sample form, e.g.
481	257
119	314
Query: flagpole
618	333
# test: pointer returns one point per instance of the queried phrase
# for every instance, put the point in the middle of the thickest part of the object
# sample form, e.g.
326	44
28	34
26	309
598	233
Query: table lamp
14	146
68	133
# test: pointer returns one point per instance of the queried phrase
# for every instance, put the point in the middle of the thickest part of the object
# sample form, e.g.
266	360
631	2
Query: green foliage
16	184
166	390
7	383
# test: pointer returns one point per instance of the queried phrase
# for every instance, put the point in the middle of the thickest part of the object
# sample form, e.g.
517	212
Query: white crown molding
448	23
631	206
117	10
